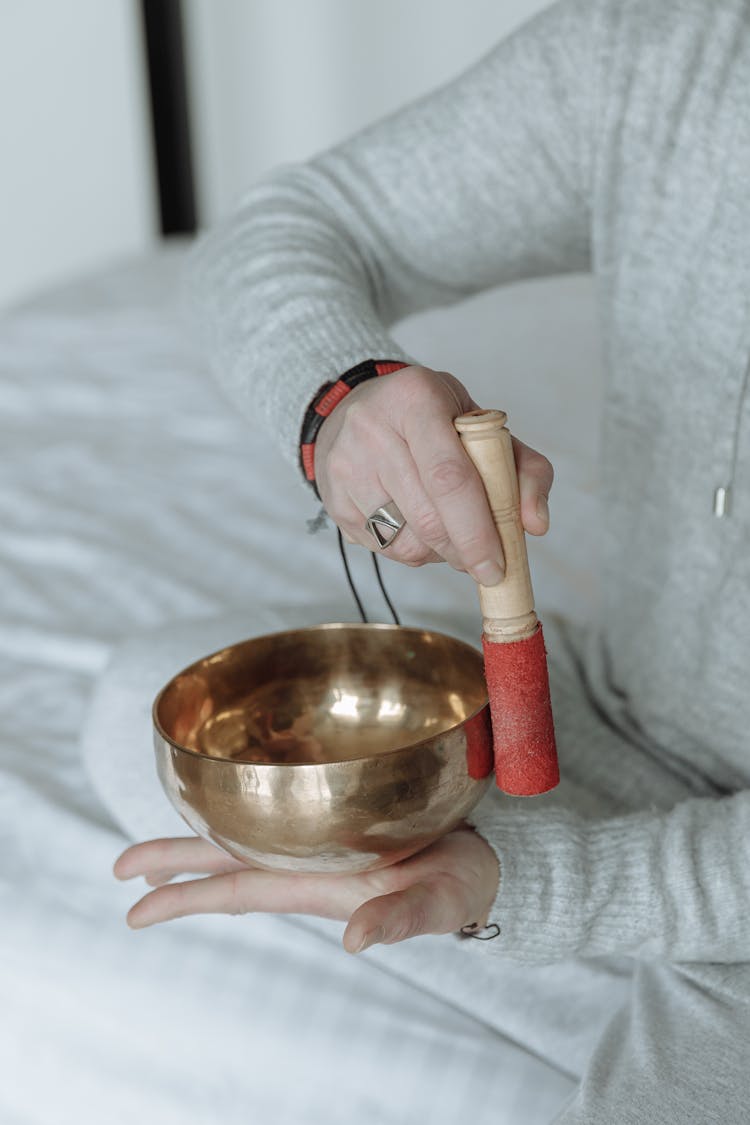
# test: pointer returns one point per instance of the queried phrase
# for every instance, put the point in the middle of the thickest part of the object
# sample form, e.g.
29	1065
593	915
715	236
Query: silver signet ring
384	524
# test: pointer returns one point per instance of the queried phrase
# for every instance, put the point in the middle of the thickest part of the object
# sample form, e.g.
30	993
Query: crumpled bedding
132	498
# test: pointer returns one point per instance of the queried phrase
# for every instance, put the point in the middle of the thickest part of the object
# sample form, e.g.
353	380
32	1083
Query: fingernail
374	936
488	573
542	509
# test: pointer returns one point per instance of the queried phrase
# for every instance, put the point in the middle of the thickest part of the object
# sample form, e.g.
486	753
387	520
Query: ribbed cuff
568	887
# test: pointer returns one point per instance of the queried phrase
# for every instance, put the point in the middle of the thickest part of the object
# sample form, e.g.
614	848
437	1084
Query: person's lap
545	1026
678	1052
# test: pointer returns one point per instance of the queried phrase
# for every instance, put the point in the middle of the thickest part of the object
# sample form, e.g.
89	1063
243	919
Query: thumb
391	918
535	476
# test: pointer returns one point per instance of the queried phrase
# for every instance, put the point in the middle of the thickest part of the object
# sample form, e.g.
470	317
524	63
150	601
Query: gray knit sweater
611	135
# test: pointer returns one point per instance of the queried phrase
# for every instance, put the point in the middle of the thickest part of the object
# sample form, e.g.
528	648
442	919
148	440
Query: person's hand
392	438
450	884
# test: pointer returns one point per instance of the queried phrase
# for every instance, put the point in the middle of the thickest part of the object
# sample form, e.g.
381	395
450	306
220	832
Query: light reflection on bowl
333	748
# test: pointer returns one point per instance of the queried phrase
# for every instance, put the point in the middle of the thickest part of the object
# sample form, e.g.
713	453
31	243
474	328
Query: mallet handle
508	608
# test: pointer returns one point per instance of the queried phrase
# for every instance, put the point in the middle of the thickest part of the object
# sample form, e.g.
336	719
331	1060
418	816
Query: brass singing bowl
337	748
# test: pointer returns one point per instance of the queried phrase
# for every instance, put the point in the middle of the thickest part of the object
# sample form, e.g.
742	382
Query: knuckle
410	378
412	554
474	549
418	389
455	389
447	477
428	526
412	925
474	545
538	466
415	387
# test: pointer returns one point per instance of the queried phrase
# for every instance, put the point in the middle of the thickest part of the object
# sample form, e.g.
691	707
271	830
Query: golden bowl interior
330	693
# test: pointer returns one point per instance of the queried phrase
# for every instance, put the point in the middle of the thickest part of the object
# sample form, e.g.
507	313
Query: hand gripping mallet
515	661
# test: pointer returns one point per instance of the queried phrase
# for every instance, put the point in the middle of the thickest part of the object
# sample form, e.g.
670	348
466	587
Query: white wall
75	161
272	81
278	80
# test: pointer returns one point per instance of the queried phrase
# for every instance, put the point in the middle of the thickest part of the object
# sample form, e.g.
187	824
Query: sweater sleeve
483	181
672	884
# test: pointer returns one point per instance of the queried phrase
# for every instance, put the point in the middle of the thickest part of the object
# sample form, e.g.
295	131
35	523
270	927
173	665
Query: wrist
325	402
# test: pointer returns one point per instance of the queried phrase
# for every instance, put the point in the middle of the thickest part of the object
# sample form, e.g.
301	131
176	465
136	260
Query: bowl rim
375	625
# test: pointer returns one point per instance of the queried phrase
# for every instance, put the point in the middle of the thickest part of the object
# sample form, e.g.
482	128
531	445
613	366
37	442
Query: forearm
286	303
474	185
672	885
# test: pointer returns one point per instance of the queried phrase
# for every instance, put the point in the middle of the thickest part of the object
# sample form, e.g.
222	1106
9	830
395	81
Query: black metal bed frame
164	49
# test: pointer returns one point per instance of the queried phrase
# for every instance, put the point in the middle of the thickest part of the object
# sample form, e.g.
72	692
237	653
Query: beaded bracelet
327	398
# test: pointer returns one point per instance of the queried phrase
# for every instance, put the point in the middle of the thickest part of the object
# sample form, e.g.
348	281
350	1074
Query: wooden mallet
515	660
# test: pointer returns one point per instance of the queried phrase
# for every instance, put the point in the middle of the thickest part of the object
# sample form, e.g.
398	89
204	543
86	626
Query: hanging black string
383	590
349	578
353	588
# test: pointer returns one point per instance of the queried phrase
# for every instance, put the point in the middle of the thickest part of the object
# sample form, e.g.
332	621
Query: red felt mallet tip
522	728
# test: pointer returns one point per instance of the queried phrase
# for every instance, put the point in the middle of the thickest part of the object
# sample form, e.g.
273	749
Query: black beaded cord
327	399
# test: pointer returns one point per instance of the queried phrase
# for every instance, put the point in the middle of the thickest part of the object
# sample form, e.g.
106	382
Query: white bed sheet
132	498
